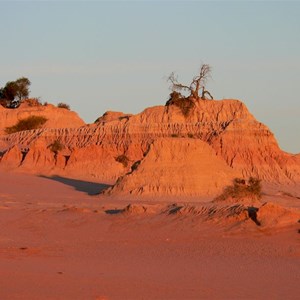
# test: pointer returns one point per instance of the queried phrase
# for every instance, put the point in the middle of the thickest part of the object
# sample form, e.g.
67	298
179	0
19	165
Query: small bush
63	105
56	146
123	159
242	189
185	104
33	102
3	102
254	186
32	122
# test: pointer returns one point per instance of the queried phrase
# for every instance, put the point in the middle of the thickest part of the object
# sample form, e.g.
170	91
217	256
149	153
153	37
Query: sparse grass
32	102
56	146
123	159
242	189
32	122
63	105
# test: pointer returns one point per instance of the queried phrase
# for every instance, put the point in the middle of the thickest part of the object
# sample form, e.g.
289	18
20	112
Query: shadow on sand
91	188
114	211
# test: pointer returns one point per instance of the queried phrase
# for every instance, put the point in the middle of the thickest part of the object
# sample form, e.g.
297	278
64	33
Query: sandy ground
60	241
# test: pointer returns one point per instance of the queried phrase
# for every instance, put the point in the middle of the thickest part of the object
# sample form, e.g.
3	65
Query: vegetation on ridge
33	102
56	147
16	92
198	83
63	105
32	122
186	104
183	103
123	159
242	189
15	89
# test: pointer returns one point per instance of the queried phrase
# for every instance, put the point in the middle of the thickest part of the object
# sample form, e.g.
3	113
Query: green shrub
32	122
242	189
63	105
56	146
123	159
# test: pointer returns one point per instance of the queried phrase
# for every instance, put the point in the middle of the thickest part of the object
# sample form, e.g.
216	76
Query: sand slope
69	245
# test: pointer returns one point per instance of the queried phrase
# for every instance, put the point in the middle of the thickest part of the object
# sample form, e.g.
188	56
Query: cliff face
57	117
250	147
177	166
226	127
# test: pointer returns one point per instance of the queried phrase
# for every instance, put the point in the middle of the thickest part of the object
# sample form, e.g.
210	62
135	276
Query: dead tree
197	83
205	92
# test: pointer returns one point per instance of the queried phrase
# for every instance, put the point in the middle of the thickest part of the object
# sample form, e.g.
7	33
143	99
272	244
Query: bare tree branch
197	83
205	92
176	86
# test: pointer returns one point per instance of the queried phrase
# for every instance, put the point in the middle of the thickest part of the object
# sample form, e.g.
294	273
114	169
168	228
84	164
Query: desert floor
58	240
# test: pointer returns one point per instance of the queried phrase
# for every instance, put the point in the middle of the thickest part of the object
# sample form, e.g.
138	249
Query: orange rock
57	117
177	166
39	157
271	214
12	158
246	145
112	116
95	162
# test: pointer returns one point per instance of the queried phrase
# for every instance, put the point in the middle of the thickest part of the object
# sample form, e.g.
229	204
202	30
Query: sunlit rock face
56	117
222	134
177	166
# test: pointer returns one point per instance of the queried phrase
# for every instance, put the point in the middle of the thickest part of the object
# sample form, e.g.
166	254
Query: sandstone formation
177	166
222	132
12	158
274	215
111	116
57	117
95	162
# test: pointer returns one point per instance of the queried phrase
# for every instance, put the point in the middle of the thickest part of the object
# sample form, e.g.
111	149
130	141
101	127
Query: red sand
59	242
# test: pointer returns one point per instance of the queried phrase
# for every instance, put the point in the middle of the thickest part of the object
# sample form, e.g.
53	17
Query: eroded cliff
107	149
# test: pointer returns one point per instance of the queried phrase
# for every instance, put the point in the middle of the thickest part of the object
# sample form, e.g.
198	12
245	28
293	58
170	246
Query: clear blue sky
99	56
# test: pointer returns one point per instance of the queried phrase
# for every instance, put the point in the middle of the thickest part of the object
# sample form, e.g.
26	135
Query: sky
116	55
